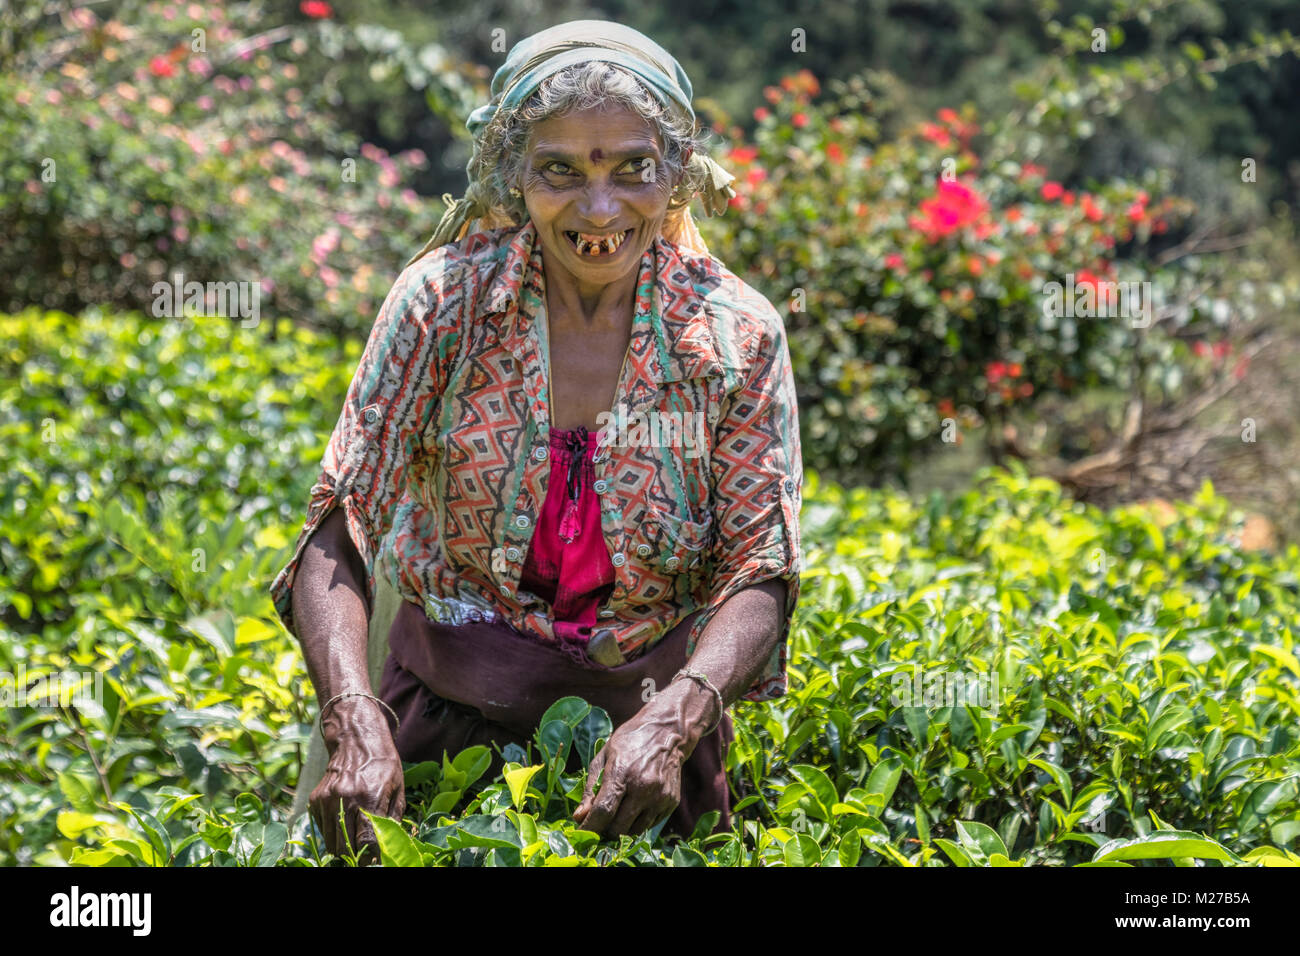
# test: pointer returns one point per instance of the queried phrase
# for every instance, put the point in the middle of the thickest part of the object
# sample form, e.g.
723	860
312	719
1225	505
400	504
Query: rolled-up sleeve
390	401
757	484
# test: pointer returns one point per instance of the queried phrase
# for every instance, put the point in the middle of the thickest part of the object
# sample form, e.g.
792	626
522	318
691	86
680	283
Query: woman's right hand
364	773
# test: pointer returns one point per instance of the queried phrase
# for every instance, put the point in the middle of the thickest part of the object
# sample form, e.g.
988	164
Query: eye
640	164
564	168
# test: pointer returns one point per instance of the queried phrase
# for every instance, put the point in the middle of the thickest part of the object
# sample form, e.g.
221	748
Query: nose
598	205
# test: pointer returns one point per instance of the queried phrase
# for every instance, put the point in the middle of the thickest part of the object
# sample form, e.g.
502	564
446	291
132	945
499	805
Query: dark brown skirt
455	687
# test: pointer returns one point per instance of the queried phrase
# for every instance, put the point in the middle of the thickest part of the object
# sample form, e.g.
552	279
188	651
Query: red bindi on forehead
597	155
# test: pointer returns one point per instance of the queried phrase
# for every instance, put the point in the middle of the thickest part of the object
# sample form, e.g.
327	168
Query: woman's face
593	181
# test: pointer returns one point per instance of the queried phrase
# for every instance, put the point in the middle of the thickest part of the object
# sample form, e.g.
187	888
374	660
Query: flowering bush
190	142
917	281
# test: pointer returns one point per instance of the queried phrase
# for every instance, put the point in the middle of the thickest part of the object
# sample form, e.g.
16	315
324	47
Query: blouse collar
672	304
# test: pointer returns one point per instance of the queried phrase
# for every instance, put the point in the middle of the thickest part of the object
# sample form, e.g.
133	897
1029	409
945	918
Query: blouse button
599	486
372	415
643	550
789	486
619	560
512	554
522	521
540	453
672	562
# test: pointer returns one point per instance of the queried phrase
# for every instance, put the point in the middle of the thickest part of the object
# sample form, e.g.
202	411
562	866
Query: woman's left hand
642	764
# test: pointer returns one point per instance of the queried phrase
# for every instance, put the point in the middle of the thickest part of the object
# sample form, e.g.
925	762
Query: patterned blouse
439	457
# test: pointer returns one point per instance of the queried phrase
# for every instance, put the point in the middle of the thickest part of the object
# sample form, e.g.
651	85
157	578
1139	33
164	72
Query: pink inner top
568	563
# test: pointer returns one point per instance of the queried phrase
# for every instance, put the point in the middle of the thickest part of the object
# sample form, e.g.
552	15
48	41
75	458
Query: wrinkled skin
639	771
364	771
597	189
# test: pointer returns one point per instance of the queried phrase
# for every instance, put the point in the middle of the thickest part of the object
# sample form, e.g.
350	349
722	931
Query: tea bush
990	678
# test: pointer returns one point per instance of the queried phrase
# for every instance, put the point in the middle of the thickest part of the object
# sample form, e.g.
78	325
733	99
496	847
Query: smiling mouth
597	246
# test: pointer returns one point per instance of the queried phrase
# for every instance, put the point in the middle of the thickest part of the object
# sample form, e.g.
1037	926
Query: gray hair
499	158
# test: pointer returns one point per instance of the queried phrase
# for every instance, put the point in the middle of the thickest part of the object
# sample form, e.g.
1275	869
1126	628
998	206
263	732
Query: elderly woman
572	447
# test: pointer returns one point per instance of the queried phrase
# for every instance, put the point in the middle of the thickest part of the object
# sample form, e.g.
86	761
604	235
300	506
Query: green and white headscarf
531	61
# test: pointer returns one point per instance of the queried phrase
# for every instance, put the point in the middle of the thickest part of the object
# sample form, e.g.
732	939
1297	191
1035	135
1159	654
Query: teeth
597	245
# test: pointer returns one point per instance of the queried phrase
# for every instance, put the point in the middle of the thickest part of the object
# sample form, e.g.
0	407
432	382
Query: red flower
161	66
860	210
945	407
1025	389
936	134
975	265
756	175
1014	370
1222	349
772	94
1090	210
1051	190
1137	212
1029	170
1200	349
947	115
834	153
1101	292
316	9
743	154
894	261
799	120
995	371
954	206
762	113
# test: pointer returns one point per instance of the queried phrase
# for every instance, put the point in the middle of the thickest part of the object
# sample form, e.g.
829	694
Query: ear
686	156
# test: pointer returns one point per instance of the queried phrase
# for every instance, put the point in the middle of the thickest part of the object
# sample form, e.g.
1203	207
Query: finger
353	819
367	845
629	809
643	822
397	801
328	810
605	807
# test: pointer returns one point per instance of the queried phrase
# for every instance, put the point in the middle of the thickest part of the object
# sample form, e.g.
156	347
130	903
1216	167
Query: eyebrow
550	153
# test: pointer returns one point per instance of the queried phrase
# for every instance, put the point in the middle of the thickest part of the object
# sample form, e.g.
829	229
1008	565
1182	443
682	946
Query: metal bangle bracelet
320	719
703	680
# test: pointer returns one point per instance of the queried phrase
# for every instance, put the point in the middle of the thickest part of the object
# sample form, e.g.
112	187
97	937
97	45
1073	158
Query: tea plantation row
999	677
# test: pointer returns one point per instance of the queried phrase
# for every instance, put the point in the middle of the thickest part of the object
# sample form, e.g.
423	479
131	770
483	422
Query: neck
570	301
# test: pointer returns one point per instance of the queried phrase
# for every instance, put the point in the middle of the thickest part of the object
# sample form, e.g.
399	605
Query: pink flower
324	244
161	66
316	9
1051	190
894	261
